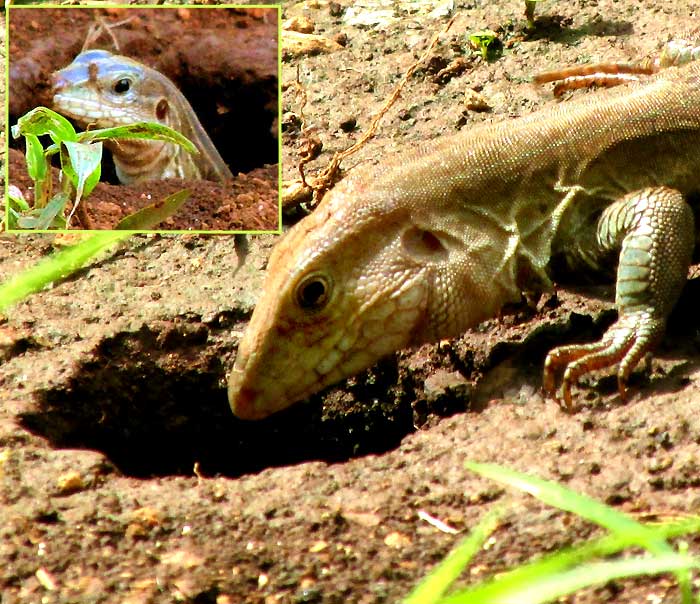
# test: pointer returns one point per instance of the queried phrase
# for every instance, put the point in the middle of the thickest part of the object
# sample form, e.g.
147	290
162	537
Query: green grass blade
565	560
439	580
59	266
550	587
565	499
150	216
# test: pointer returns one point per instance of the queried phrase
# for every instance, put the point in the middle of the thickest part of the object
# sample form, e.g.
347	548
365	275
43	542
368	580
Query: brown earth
225	61
126	479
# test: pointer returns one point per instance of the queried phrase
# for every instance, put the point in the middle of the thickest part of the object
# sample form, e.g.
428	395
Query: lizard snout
58	82
242	399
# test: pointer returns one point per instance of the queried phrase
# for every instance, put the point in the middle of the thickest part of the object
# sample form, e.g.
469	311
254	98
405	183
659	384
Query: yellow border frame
10	7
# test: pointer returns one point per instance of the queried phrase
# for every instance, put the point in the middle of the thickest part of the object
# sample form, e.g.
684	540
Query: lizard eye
313	292
121	86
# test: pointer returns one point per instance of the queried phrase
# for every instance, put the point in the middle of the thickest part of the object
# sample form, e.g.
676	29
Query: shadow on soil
155	403
556	28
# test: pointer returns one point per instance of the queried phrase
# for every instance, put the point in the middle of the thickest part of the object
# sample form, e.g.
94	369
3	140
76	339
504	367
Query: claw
566	392
622	389
548	382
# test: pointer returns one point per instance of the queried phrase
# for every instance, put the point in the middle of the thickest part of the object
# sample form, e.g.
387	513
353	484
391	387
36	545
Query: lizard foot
625	342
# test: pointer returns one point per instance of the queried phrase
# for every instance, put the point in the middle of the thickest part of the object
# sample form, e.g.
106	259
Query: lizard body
424	246
106	90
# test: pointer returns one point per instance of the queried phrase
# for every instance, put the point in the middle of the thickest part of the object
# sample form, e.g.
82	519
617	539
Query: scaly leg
654	231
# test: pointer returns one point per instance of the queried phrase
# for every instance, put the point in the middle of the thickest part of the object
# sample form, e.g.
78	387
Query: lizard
422	246
107	90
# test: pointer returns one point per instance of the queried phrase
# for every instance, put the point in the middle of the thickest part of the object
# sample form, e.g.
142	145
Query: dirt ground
126	479
225	61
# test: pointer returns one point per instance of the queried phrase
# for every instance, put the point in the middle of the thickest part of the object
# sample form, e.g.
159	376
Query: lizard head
108	90
358	279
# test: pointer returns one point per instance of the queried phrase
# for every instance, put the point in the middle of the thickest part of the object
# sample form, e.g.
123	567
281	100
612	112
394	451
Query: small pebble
336	9
348	124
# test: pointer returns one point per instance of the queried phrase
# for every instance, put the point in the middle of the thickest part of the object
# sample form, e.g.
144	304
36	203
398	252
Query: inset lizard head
108	90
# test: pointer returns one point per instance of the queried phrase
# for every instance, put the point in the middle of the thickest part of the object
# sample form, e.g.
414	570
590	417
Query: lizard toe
624	344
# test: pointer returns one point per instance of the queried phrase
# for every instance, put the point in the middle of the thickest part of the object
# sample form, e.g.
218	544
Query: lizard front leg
654	231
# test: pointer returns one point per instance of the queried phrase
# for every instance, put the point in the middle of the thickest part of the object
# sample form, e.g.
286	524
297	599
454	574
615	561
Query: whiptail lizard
105	90
424	246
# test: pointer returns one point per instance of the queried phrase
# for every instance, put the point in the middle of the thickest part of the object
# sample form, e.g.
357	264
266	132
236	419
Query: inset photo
146	119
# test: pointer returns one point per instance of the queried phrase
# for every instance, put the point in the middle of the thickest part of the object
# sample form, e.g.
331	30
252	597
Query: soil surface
126	479
225	61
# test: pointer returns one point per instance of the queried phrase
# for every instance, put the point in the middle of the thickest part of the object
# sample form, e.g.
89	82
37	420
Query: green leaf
16	206
42	121
81	163
16	199
147	130
487	43
43	218
37	166
150	216
38	169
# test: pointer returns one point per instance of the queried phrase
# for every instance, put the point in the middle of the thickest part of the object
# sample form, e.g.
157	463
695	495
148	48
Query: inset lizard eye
313	292
121	86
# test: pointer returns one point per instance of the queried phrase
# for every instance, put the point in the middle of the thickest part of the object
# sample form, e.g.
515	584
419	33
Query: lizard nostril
58	83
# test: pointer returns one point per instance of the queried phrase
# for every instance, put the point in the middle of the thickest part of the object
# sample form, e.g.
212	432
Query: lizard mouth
247	401
241	398
85	110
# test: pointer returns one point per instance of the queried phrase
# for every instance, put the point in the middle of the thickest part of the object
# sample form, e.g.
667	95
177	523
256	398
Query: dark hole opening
155	403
